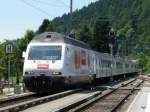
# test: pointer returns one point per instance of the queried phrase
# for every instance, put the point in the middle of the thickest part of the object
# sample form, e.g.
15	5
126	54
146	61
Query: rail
83	104
36	101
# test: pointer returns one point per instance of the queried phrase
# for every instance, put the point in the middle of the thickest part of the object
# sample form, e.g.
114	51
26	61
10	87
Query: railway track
21	103
110	100
15	98
72	100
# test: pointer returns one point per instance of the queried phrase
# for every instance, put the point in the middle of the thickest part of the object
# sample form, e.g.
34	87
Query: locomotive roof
54	37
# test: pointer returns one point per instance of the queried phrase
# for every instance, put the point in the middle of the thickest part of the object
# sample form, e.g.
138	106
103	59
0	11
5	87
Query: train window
68	52
88	60
67	49
99	63
132	65
109	64
119	65
45	53
106	64
127	65
83	56
77	60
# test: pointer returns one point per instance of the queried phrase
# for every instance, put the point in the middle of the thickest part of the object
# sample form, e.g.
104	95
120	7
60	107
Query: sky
17	16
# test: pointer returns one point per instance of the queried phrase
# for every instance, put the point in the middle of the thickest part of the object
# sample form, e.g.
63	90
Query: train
53	60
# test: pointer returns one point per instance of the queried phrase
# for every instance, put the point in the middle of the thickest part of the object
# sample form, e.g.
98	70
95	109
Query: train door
69	66
100	67
90	63
97	66
94	63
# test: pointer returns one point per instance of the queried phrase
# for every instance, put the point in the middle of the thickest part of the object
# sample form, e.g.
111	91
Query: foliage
97	38
129	17
20	45
85	35
16	58
2	68
45	26
101	35
142	61
147	66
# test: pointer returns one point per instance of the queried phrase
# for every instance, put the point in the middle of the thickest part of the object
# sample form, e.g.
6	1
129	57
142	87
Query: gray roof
54	37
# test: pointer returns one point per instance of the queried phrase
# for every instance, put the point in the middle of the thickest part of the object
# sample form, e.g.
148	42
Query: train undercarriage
47	84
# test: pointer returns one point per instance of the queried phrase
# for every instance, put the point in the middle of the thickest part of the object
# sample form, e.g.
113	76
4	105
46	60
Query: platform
141	102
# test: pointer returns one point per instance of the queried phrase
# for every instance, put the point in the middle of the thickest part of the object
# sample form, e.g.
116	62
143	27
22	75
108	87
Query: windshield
45	53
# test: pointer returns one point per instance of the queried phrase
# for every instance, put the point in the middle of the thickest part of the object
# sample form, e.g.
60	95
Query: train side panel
78	65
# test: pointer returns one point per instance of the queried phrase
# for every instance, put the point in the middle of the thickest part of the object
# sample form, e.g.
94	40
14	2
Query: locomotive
53	60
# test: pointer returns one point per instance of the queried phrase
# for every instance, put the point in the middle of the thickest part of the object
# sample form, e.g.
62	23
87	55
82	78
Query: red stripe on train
43	66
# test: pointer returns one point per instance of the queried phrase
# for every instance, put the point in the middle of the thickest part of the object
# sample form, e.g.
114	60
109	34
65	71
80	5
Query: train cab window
45	53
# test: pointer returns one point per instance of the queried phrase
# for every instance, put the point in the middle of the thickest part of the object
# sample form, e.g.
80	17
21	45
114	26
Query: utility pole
111	45
72	32
71	4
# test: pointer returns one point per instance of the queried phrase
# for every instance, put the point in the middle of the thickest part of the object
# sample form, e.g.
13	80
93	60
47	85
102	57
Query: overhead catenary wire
35	7
63	3
48	3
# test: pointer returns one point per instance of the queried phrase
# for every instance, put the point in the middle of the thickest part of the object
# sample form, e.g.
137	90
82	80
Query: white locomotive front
52	61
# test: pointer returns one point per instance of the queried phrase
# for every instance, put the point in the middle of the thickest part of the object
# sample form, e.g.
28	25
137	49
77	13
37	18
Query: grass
3	96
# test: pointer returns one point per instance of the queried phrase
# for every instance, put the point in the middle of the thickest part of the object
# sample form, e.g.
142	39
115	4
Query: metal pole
112	78
111	53
9	73
71	3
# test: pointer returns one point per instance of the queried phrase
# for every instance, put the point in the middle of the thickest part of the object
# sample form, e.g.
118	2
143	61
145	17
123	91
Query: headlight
28	73
56	73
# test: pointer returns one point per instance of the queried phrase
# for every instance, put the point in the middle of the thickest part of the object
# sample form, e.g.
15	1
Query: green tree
101	35
142	61
85	34
49	27
2	57
29	35
23	42
130	16
19	47
147	66
45	26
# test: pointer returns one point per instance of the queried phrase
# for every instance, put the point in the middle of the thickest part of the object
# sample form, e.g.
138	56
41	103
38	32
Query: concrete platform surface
141	102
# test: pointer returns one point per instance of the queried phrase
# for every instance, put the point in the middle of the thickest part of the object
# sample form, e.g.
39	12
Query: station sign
9	48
